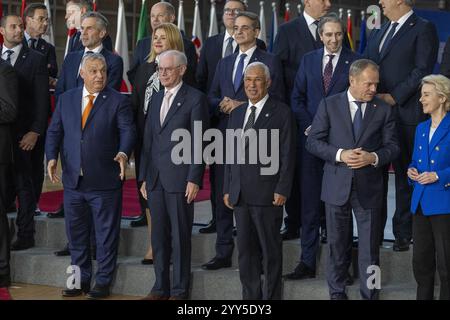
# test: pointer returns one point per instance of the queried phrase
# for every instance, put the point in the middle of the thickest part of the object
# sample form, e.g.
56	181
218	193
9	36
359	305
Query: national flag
181	17
274	26
350	30
213	28
287	12
262	20
121	47
70	34
363	33
143	28
341	13
197	38
94	5
22	9
48	36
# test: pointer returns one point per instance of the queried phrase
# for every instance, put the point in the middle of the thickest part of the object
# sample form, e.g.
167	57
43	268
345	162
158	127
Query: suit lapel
318	67
440	133
265	115
99	102
345	112
254	58
23	54
78	110
77	61
340	67
367	118
404	29
176	105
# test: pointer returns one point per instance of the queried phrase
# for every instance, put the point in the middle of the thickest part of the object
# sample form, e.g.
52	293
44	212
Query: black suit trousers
6	184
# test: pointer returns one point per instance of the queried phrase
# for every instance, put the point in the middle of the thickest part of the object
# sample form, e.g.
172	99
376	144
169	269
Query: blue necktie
357	120
239	73
8	56
388	39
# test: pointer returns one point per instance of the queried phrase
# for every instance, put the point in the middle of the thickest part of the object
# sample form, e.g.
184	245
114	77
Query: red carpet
50	201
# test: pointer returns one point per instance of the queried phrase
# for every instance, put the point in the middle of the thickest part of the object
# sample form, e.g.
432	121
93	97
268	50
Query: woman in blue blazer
429	172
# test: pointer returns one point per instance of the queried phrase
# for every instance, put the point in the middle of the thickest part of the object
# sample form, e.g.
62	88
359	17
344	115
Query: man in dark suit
161	12
445	64
75	9
8	114
170	188
293	40
93	30
214	49
322	73
31	70
259	211
354	133
93	131
226	94
400	76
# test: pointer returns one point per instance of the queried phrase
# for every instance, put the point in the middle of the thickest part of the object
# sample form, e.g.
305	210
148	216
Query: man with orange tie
93	130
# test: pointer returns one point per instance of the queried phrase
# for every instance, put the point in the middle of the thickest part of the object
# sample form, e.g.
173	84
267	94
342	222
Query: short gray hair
331	17
93	56
168	7
253	17
180	57
261	65
441	85
102	22
360	65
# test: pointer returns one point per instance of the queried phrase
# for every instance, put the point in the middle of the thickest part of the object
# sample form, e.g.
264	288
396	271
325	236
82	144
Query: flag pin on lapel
104	97
267	115
179	104
346	62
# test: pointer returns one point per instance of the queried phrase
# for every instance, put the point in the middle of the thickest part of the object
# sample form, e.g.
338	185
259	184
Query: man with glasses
226	94
214	49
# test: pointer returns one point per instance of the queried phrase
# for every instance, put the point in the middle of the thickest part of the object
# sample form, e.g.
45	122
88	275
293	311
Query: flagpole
299	9
213	28
181	25
262	20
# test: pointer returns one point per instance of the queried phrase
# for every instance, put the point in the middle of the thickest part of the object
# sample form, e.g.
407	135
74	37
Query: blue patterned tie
8	56
357	120
239	73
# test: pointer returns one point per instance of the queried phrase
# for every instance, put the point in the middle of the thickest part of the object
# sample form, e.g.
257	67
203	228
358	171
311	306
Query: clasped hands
357	158
227	105
422	178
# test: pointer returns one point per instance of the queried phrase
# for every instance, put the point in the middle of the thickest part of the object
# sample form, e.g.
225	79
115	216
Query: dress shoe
323	236
302	271
63	253
349	280
216	264
401	244
177	298
147	261
22	244
37	212
57	214
155	297
85	287
98	292
339	296
210	228
4	294
287	234
139	222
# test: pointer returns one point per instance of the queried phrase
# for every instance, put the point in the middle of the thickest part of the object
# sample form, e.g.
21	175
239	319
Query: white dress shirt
311	25
249	54
174	92
400	22
259	105
225	43
353	108
85	99
14	55
326	58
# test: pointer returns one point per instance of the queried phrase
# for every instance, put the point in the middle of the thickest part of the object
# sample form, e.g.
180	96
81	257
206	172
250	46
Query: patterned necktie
165	106
239	73
87	110
388	39
229	48
328	73
357	120
33	43
8	56
251	119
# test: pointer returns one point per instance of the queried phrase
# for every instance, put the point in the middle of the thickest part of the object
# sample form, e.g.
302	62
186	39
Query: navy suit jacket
188	106
210	56
34	98
222	85
70	78
432	156
108	130
75	43
142	51
308	87
48	50
445	64
241	179
411	55
332	129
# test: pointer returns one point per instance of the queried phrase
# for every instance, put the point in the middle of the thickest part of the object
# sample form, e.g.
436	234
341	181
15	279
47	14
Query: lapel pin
179	104
346	62
374	105
104	97
267	115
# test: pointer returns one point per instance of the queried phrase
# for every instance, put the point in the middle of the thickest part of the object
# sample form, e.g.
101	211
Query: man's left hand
122	160
191	191
28	141
361	159
278	200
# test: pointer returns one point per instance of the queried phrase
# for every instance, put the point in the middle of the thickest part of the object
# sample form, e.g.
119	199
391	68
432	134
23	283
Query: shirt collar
249	52
309	20
403	19
95	50
86	93
351	98
16	49
227	36
260	104
336	55
175	89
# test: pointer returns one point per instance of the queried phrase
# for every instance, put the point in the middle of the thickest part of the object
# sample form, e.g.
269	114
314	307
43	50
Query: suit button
420	147
420	160
437	148
432	161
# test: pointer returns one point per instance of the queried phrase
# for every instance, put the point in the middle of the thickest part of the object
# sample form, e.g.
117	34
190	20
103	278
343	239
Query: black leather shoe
22	244
63	253
139	222
401	244
85	287
323	236
302	271
216	264
340	296
98	292
147	261
287	234
210	228
57	214
37	212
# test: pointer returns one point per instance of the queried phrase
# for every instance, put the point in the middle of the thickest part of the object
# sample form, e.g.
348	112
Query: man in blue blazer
400	76
29	133
226	94
294	39
161	12
256	196
354	133
170	186
93	30
322	73
92	130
